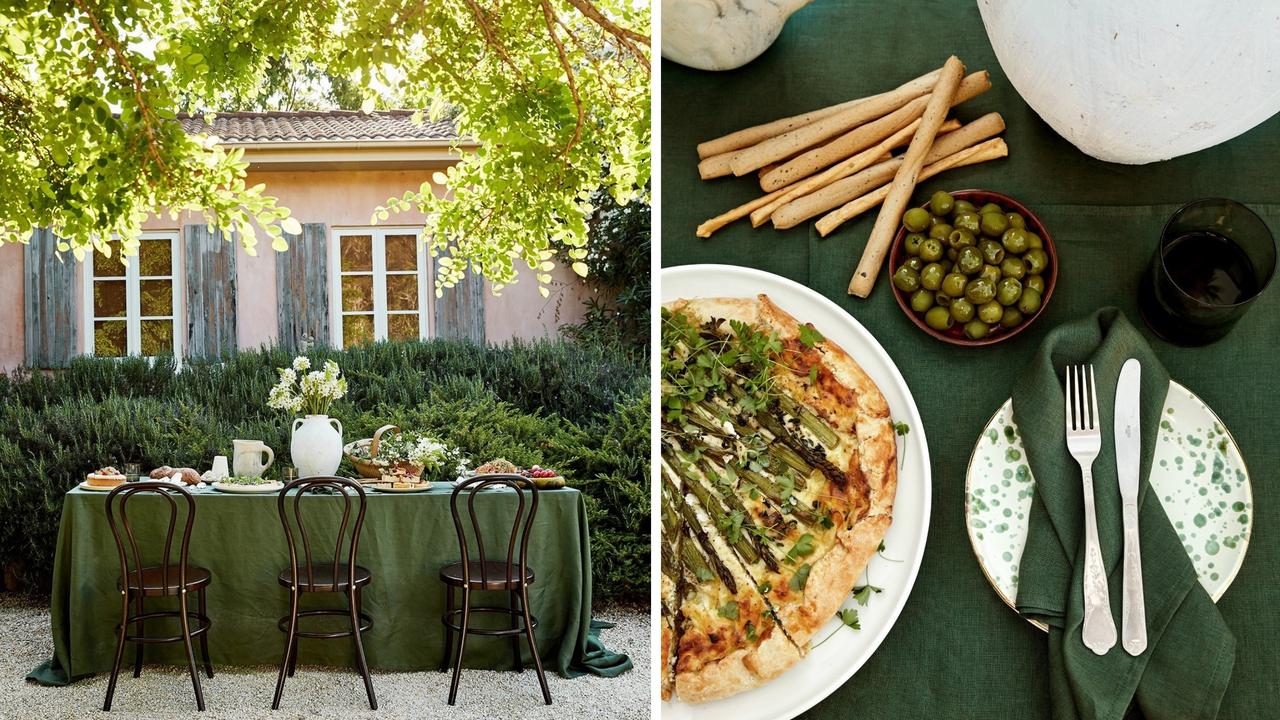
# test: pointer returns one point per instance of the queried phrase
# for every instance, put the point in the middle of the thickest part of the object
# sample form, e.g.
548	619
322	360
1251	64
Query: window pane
402	327
356	329
402	292
357	293
402	252
157	297
157	337
108	267
108	298
357	252
155	257
109	338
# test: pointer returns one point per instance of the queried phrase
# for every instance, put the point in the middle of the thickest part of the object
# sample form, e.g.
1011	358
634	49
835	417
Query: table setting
1078	529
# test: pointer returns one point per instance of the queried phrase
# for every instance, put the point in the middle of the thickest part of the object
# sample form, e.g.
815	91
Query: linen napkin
1190	653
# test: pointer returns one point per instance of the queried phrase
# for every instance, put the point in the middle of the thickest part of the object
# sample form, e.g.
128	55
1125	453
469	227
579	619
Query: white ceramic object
1143	80
722	34
247	457
316	447
219	468
264	489
837	651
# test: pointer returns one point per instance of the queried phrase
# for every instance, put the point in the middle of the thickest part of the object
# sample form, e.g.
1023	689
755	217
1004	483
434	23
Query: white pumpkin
1135	81
722	34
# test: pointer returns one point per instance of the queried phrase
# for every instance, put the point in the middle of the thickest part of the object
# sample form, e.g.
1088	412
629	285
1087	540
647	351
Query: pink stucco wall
338	198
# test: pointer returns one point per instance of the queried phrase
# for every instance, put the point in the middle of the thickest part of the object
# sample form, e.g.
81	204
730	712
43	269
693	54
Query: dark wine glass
1214	258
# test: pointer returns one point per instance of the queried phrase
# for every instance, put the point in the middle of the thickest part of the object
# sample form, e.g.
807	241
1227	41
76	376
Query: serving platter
387	489
264	489
837	651
84	485
1197	473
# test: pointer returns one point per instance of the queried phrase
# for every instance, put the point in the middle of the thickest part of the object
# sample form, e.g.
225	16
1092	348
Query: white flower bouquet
417	454
305	392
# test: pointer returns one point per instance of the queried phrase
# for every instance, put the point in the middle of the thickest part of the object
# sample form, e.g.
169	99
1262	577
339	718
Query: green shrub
581	410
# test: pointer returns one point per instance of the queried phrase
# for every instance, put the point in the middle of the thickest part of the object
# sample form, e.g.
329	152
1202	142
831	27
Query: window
132	310
379	285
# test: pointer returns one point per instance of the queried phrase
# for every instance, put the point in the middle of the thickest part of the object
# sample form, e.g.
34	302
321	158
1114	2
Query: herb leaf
801	578
849	616
803	548
729	610
901	428
810	336
863	594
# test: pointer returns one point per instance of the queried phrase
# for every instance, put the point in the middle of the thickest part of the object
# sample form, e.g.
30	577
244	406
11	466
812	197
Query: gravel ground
245	692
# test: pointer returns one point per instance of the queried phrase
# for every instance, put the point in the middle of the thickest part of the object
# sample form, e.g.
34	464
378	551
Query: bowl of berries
543	478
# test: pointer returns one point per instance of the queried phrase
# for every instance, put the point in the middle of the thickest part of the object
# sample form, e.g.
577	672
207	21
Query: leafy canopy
553	90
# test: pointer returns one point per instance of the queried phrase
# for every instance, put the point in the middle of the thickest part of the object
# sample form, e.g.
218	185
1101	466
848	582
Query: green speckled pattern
1197	473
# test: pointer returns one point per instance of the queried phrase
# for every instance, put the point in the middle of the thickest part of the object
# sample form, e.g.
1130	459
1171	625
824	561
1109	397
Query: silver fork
1084	440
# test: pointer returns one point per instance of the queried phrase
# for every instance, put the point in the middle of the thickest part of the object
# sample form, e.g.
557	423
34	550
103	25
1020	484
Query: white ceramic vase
317	445
722	34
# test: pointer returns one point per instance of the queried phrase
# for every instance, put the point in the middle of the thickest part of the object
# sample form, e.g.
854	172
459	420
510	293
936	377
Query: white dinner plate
842	651
1197	472
249	489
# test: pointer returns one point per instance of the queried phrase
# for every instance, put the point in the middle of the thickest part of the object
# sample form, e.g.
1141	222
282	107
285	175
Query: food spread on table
107	477
540	477
185	474
778	475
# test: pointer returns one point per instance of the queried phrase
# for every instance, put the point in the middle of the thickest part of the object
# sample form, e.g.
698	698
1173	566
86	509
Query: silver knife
1133	627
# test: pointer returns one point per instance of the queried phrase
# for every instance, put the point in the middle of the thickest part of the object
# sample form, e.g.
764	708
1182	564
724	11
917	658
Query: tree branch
549	16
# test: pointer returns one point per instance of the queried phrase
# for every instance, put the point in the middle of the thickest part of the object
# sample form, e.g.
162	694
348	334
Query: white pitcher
246	458
317	445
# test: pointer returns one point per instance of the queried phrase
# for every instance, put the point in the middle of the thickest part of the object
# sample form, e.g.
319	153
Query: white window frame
133	296
378	237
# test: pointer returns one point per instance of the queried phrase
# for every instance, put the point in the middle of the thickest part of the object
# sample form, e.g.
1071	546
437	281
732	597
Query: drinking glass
132	472
288	474
1214	258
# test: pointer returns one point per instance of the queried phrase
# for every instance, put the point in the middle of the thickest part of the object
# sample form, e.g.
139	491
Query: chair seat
487	576
323	580
155	581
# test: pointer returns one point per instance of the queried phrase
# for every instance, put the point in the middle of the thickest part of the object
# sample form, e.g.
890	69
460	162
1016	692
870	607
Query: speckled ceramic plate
1198	474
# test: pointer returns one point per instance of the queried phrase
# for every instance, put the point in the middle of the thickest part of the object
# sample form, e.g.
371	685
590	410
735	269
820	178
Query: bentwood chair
511	574
166	579
337	575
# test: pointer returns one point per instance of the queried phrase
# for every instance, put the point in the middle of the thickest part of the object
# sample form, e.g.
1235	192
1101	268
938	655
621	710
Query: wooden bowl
955	335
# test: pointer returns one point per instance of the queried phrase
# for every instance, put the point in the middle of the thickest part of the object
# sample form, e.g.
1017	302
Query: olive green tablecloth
405	542
958	651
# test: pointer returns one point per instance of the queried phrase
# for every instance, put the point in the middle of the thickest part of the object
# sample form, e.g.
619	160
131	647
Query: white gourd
722	34
1136	81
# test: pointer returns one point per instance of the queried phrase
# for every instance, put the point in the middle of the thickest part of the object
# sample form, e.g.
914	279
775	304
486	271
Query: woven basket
373	468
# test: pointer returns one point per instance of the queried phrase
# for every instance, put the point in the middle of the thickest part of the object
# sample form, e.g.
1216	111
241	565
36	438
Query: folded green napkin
1190	652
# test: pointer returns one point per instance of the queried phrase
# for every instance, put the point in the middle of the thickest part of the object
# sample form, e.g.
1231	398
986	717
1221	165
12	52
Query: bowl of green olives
972	267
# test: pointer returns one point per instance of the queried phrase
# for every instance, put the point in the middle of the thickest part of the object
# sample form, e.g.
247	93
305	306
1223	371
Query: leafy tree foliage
554	90
617	315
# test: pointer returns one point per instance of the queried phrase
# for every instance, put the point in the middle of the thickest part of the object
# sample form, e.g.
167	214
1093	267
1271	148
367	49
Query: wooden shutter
460	313
302	289
49	302
211	293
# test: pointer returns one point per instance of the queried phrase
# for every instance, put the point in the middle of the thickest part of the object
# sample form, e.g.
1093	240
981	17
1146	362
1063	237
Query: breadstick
715	166
705	229
775	148
750	136
904	182
841	191
864	136
980	153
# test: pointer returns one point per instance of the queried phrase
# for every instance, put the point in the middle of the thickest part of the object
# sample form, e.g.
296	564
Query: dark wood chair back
290	506
176	497
521	526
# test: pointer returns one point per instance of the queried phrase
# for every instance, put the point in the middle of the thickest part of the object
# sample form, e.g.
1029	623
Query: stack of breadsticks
838	162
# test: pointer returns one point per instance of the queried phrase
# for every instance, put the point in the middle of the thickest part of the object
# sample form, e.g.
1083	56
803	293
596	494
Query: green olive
990	312
994	224
961	238
931	276
976	329
911	245
915	219
953	284
921	300
978	291
1008	291
990	208
991	272
963	206
1015	220
915	263
931	250
1034	241
952	254
969	260
968	221
946	265
1029	303
1037	261
1034	282
906	279
1013	267
1010	318
942	299
1014	240
992	251
940	231
962	310
941	203
938	318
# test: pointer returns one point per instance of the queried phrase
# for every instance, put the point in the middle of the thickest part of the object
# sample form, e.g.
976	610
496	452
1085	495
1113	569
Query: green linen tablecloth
405	542
957	650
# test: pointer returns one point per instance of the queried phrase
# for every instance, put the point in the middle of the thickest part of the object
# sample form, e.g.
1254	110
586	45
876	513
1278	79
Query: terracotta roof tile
335	125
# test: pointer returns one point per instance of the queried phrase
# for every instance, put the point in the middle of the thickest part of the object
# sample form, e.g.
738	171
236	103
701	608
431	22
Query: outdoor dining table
957	649
406	539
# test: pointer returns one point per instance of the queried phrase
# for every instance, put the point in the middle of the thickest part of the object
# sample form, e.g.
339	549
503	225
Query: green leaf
849	616
291	226
810	336
863	593
804	547
801	578
729	610
901	428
